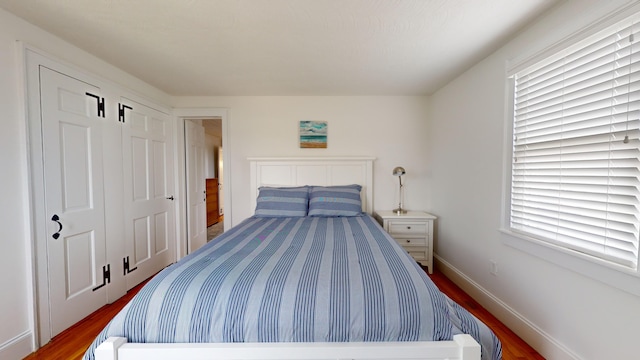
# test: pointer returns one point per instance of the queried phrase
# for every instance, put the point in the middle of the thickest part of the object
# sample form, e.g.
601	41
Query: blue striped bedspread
306	279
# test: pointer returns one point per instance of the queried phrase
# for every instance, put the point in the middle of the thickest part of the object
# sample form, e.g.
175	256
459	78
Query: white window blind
576	156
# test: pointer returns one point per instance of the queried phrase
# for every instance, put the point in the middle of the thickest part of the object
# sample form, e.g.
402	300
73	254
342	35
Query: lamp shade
399	171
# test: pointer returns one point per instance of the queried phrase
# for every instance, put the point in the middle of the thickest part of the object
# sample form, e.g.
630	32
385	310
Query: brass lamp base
399	211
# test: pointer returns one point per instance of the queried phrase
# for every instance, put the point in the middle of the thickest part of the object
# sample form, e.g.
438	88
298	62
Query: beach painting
313	134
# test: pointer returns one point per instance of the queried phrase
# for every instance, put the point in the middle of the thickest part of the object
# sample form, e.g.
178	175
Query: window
575	179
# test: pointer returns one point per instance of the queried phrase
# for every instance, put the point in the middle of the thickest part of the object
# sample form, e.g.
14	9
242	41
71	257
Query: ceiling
286	47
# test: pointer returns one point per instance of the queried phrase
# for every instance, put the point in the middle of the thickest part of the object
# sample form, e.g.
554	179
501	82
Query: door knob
170	198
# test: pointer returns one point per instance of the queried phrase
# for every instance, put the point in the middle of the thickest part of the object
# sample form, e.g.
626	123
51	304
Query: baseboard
544	343
18	347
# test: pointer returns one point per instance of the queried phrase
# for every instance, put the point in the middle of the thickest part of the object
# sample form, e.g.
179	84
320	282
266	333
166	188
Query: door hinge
106	276
125	265
100	102
121	108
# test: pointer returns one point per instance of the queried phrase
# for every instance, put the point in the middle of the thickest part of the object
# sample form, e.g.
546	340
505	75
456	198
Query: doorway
205	208
214	175
214	168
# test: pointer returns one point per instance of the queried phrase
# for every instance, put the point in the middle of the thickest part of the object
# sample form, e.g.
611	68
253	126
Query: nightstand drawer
417	254
408	228
405	241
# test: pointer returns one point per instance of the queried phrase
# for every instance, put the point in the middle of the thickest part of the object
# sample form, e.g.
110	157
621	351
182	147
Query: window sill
613	275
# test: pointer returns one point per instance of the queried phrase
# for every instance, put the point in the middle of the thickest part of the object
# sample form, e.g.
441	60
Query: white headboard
322	171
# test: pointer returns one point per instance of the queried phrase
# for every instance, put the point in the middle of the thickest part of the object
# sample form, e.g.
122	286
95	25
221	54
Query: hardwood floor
513	347
72	343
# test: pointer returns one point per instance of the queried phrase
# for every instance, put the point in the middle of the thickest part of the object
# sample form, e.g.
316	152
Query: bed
311	275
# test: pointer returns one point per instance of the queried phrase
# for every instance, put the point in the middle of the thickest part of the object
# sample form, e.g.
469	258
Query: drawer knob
408	241
408	227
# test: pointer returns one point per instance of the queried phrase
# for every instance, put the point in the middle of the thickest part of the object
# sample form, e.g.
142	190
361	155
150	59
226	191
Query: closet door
72	152
149	203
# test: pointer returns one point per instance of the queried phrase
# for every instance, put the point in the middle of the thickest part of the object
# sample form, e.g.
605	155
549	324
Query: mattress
296	279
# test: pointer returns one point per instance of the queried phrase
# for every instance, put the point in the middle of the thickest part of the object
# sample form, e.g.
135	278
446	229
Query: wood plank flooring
72	343
513	347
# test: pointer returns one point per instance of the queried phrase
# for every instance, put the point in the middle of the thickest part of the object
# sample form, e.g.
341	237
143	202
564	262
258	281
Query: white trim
182	114
607	273
540	340
507	151
28	199
611	274
18	347
462	347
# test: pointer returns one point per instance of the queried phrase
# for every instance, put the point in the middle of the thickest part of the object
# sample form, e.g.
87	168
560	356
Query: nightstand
414	231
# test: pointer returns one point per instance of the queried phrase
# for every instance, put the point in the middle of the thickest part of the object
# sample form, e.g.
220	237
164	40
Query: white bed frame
293	172
463	347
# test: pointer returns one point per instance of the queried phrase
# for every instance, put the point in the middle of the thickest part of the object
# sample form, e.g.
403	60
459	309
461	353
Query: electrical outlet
493	269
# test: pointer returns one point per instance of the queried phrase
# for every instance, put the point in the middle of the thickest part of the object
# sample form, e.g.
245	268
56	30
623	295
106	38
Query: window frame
619	276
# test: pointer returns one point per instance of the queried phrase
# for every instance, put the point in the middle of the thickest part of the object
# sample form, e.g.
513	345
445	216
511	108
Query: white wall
17	332
561	313
212	144
392	129
15	301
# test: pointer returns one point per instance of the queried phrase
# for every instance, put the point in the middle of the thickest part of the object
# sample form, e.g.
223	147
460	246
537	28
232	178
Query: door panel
160	169
139	168
162	233
141	239
149	207
72	152
78	260
196	185
76	149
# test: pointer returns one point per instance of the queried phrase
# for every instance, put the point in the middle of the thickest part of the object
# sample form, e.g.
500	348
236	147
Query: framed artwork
313	134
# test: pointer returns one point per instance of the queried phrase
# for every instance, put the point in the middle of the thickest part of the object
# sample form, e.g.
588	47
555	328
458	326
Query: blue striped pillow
282	201
335	201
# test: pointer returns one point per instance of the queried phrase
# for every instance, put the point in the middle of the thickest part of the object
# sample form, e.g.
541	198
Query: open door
196	185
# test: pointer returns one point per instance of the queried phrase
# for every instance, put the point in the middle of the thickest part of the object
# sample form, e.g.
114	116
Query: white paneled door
196	185
74	183
149	201
108	175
